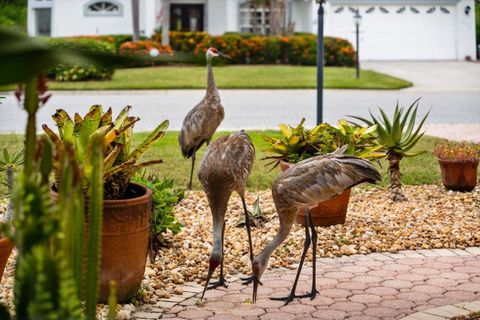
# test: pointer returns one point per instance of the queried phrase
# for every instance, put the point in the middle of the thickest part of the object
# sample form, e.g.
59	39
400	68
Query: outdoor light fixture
357	19
154	52
467	10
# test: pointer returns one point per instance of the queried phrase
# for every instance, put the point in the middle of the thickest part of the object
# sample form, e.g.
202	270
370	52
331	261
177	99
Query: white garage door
418	32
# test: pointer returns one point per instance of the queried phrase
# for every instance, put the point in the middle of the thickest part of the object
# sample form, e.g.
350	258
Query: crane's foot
310	295
292	296
248	280
220	283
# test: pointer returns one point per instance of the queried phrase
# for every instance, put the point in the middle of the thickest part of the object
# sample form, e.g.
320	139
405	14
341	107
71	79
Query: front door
186	17
43	18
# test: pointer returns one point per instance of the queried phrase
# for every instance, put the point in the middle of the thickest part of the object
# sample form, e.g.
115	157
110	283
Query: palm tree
398	139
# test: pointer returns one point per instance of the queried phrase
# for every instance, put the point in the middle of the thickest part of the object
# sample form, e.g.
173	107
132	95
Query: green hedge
76	72
299	49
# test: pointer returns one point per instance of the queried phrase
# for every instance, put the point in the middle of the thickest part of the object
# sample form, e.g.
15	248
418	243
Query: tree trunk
136	18
396	193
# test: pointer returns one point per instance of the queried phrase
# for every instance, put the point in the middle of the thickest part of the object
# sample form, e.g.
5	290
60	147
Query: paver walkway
374	286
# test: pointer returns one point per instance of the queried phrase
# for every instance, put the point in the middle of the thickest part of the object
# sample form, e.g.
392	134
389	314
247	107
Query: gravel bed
432	218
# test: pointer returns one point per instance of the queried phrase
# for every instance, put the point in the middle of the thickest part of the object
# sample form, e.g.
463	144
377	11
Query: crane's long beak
223	55
209	275
255	288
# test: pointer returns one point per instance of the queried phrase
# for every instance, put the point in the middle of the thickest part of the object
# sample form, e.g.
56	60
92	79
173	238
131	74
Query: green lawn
422	169
236	77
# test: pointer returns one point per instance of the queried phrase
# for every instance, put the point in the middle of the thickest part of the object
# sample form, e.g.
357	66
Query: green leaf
154	136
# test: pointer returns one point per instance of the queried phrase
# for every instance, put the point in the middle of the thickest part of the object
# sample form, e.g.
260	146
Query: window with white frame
103	8
254	19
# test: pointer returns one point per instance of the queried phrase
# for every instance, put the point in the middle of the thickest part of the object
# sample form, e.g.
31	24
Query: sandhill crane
201	122
225	168
302	186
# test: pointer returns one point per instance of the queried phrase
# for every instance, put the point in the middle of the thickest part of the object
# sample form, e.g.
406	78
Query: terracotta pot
125	233
459	175
326	213
6	247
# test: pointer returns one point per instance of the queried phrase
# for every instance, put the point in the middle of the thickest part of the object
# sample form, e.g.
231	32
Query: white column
166	22
149	16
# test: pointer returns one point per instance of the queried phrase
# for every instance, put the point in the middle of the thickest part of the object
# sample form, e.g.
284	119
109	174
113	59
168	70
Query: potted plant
127	206
398	135
298	143
458	164
9	164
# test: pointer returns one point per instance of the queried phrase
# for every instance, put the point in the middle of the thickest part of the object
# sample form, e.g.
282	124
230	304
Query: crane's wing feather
228	161
199	125
320	178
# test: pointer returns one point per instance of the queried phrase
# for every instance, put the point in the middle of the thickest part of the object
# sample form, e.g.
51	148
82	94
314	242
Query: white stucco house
58	18
390	29
406	29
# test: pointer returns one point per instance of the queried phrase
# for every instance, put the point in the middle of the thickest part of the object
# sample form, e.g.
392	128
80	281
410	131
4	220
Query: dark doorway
43	19
186	17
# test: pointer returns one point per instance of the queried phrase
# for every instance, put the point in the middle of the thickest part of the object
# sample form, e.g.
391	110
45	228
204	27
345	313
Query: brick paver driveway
376	286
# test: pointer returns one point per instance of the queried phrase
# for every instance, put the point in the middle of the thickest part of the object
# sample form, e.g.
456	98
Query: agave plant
399	135
298	143
120	164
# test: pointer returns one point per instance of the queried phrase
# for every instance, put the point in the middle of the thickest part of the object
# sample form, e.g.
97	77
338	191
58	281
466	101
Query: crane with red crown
201	122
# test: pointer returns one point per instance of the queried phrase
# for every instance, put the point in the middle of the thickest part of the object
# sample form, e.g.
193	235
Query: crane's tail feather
360	169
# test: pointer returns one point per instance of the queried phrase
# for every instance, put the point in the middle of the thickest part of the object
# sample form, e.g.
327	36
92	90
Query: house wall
406	36
69	19
302	15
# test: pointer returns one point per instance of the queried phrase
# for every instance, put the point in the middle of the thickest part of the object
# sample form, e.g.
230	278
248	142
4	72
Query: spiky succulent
120	164
399	134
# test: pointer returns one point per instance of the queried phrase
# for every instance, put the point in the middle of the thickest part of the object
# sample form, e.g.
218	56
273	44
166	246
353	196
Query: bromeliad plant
298	143
120	163
398	135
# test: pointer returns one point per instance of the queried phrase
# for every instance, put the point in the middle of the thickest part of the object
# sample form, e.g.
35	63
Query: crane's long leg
248	280
314	291
191	171
249	230
306	244
221	280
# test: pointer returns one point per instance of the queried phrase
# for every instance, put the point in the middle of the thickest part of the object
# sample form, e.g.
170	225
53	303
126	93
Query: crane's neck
218	205
211	86
286	222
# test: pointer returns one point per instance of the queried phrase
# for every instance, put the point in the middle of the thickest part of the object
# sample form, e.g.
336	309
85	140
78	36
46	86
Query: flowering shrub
456	151
116	39
77	72
143	47
245	48
183	41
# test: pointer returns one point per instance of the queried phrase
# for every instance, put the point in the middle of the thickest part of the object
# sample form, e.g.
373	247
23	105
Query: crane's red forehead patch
214	50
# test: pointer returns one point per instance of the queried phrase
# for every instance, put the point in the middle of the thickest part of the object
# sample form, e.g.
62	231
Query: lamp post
320	61
357	19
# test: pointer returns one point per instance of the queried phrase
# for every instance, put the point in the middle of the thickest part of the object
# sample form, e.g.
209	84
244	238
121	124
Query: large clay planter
125	233
326	213
459	175
6	247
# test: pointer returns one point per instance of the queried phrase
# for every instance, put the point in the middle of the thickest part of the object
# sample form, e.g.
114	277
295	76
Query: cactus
112	301
95	226
119	163
10	164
